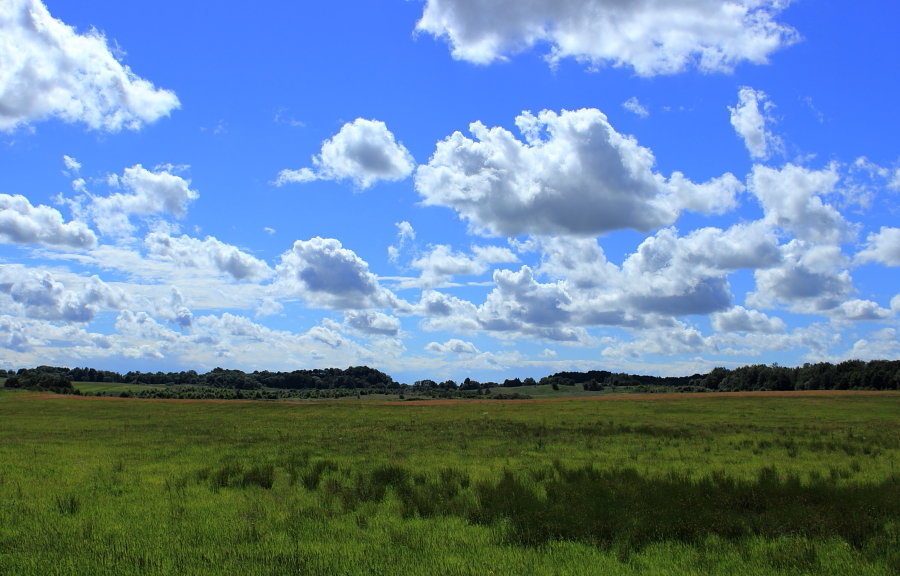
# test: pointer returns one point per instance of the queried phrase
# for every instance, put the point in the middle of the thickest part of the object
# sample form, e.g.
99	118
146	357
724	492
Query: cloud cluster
41	295
48	70
324	273
882	246
740	319
651	36
22	223
791	198
208	254
148	193
363	151
372	323
573	174
441	263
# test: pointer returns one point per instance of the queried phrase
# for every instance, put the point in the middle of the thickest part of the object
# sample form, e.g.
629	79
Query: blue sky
448	188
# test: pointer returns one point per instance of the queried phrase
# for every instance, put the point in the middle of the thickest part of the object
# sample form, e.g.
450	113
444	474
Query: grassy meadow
694	484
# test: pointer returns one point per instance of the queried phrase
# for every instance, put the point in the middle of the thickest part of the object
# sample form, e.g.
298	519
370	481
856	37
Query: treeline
355	377
358	380
848	375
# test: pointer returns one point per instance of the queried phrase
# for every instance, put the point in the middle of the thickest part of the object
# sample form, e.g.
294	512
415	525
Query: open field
693	484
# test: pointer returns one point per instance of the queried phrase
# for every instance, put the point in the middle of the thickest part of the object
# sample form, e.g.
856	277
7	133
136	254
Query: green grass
109	387
692	485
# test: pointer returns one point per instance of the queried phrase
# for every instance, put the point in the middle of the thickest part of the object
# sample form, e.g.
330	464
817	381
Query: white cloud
452	346
520	305
650	36
406	234
363	151
791	199
442	263
42	295
324	273
580	261
857	310
207	254
22	223
47	70
676	276
73	166
749	122
716	196
149	193
810	279
883	247
880	345
15	335
445	312
634	106
372	323
743	246
679	339
143	326
572	174
176	310
739	319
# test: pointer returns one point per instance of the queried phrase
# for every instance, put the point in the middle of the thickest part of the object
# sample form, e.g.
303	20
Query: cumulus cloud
323	272
679	339
651	36
442	263
148	193
882	246
42	295
47	70
792	200
446	312
676	276
363	151
572	174
372	323
520	305
739	319
810	279
22	223
667	276
749	119
856	310
452	346
207	254
743	246
880	345
176	309
14	335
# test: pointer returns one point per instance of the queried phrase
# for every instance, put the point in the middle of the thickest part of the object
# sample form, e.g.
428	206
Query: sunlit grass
711	485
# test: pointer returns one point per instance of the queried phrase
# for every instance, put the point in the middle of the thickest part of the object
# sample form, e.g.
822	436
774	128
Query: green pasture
692	485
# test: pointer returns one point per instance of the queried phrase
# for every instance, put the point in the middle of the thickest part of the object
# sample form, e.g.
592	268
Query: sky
446	189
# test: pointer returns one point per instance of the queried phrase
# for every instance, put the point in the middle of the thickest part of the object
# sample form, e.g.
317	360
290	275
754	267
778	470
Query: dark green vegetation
359	381
645	485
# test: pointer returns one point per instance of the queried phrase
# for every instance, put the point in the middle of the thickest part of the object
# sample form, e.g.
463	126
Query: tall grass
689	486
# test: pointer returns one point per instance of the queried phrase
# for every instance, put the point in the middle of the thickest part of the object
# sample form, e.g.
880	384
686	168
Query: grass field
695	484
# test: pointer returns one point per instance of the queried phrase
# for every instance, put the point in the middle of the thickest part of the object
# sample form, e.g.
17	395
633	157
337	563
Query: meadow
800	483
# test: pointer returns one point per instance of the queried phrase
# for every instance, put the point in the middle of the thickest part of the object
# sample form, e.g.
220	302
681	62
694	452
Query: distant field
108	387
693	484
